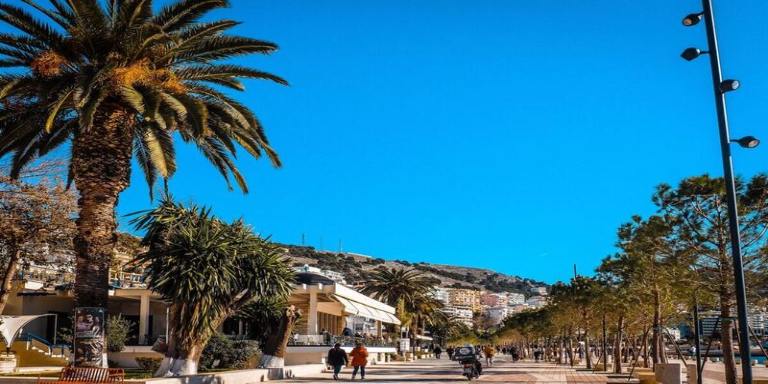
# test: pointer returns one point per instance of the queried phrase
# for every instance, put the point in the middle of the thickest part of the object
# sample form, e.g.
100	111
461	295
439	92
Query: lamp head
692	19
691	53
747	142
729	85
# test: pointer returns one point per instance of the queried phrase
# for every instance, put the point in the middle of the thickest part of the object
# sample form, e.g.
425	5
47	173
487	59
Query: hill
354	267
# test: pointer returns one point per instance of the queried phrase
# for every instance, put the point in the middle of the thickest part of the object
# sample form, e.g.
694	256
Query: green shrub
223	352
149	364
118	330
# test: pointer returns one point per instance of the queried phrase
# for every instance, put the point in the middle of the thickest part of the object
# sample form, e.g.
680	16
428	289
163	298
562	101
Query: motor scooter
471	366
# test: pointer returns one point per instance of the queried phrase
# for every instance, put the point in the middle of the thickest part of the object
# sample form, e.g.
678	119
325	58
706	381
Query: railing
345	341
43	344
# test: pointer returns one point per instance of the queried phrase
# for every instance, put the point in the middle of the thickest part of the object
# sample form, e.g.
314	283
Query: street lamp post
721	88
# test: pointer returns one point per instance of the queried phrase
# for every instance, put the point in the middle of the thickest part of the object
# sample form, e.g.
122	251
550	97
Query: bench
81	375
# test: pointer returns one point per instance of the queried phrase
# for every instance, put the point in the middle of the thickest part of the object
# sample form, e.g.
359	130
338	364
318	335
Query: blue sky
513	135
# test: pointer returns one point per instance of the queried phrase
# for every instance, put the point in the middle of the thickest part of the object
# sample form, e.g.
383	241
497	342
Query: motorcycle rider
471	356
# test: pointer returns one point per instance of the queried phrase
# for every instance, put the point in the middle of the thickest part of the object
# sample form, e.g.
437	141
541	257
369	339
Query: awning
10	326
359	309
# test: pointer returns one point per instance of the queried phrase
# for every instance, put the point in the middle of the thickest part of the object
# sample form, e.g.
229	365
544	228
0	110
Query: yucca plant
121	80
208	270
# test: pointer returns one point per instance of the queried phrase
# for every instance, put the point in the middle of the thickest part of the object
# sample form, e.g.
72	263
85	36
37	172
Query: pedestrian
489	351
359	357
437	351
326	337
449	350
337	359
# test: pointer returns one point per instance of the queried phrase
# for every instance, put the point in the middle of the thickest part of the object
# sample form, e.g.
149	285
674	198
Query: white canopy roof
355	303
10	326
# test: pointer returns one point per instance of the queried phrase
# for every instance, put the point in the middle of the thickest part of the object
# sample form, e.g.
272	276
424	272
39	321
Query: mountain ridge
355	267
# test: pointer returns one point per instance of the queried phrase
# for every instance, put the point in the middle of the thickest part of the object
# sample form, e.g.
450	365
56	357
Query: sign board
404	345
89	341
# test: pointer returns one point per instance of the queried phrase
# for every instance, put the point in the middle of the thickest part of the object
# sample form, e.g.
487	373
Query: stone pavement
445	371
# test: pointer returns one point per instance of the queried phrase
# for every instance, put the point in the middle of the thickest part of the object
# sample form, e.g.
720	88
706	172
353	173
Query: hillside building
493	299
464	299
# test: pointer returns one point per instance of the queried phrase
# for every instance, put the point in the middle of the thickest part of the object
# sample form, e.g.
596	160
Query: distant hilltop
355	266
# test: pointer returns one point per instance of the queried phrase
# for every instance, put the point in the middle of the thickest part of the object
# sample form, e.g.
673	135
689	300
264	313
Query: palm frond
89	13
57	17
220	47
225	72
159	144
24	22
184	12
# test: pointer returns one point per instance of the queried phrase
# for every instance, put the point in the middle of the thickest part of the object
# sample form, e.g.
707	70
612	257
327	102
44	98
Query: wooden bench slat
88	375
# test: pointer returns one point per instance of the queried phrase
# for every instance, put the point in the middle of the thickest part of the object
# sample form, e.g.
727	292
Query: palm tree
408	290
209	271
397	286
121	81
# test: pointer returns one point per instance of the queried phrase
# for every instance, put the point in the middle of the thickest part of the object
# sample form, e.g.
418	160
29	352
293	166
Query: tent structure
10	326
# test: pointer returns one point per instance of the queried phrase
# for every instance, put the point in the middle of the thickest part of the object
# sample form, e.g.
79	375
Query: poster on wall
89	343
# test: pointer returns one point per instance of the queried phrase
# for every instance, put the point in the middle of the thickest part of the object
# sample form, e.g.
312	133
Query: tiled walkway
445	371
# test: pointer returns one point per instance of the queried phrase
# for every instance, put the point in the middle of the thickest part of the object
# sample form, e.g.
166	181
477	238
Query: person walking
489	352
337	358
359	357
449	350
437	351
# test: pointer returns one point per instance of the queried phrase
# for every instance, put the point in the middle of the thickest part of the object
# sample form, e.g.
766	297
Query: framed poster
90	341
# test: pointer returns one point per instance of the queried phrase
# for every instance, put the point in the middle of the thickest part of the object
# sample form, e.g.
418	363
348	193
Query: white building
442	295
461	315
758	321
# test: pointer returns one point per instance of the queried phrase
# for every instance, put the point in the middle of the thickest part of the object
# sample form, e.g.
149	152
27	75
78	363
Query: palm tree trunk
10	271
277	342
183	353
101	165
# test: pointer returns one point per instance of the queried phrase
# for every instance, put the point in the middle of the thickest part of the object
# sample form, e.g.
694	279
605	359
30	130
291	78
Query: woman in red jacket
359	357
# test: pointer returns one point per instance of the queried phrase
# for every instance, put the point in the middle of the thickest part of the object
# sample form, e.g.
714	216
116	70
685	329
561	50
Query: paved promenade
445	371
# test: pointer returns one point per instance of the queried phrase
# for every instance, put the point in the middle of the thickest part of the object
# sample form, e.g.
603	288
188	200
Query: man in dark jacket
337	358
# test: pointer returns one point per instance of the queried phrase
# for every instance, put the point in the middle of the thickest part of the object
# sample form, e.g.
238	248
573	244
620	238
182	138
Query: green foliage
397	285
206	268
223	352
264	315
148	364
78	59
118	331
